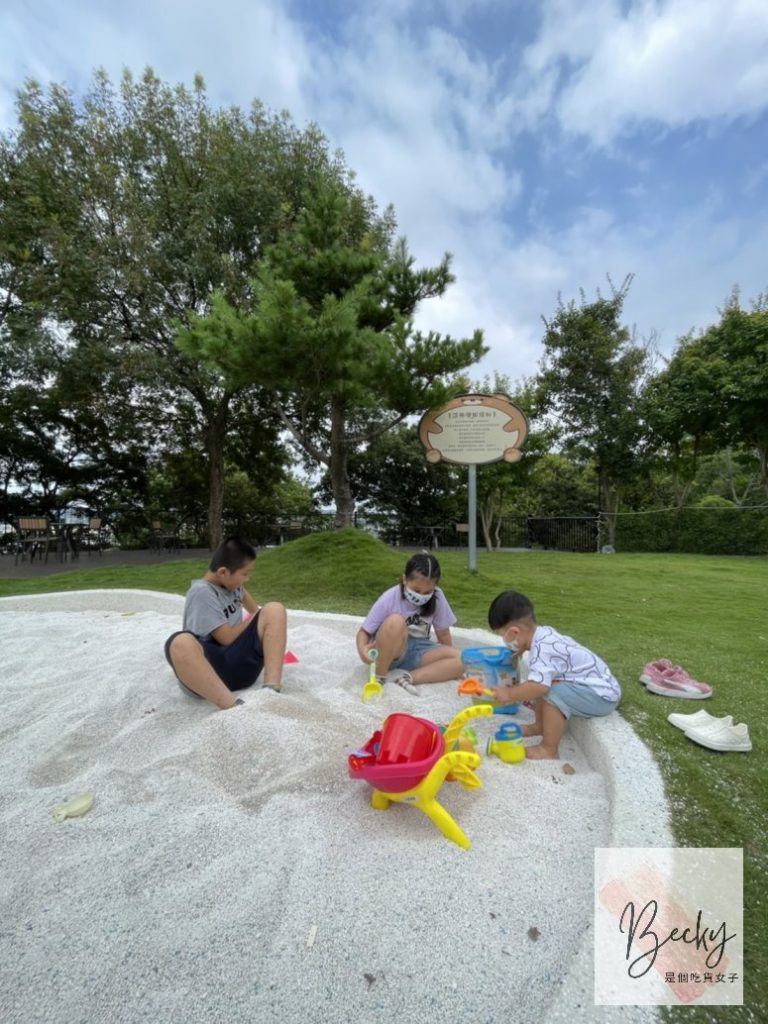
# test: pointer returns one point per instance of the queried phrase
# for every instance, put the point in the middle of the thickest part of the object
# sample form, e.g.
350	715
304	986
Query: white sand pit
229	869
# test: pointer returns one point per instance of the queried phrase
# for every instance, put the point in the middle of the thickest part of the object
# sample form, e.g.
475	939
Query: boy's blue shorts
237	665
415	649
578	699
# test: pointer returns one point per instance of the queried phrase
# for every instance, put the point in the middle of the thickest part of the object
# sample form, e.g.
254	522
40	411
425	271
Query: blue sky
545	143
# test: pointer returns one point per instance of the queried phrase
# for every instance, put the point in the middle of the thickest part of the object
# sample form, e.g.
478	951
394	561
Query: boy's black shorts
237	665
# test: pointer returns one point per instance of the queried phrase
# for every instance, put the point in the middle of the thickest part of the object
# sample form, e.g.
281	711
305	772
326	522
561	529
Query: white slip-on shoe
697	720
717	724
722	737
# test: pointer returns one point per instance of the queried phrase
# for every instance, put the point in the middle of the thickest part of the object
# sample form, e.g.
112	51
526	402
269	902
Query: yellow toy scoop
74	808
373	687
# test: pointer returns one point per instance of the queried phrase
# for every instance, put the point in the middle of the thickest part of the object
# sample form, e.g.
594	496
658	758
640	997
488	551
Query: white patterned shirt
555	657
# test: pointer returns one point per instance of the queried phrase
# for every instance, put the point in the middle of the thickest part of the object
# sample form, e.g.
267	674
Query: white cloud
670	62
419	119
243	50
684	267
427	122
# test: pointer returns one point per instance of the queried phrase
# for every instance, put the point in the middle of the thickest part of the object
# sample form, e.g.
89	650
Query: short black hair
232	554
509	607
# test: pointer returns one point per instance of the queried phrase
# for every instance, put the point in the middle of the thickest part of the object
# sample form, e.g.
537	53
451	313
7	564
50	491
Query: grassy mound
343	571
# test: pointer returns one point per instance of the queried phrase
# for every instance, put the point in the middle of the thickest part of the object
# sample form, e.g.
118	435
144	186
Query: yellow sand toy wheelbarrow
407	761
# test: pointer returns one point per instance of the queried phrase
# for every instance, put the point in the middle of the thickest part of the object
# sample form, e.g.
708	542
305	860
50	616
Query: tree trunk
762	454
486	519
215	496
342	492
610	503
497	532
682	490
215	435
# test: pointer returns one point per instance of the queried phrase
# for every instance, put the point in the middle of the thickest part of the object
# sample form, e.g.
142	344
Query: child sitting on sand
216	652
399	624
564	678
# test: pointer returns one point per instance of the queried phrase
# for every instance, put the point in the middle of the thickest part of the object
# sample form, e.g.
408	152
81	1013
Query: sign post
472	515
473	430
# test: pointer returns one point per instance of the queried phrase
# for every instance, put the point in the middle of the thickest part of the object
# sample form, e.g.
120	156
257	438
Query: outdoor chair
33	537
162	537
430	537
462	529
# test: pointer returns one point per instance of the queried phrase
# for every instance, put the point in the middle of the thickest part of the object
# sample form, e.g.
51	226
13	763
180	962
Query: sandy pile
231	871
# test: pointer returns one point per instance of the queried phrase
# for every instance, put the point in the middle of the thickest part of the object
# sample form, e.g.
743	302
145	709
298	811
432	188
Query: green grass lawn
708	614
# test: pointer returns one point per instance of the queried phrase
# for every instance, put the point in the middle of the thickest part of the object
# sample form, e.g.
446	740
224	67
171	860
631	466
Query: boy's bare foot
530	729
542	753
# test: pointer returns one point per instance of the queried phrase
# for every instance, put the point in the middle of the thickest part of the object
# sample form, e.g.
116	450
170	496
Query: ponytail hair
426	565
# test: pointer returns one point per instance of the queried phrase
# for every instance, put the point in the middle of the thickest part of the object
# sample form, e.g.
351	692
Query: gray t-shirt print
207	607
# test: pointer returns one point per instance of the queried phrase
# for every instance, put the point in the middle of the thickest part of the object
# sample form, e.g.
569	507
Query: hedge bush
714	526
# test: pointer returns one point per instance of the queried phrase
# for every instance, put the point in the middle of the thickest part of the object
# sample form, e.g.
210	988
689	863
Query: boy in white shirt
564	677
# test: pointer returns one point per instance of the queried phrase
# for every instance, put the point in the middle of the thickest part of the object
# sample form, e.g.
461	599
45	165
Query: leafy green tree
590	381
394	485
20	380
330	335
66	429
561	486
729	473
29	354
121	215
713	394
738	350
682	407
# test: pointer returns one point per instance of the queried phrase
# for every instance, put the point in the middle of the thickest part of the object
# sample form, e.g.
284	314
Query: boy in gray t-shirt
216	652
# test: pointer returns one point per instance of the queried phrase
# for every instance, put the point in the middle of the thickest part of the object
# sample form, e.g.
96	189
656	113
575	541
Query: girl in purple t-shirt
399	627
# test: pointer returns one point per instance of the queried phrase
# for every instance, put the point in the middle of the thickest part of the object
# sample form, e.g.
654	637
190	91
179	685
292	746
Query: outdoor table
69	531
69	535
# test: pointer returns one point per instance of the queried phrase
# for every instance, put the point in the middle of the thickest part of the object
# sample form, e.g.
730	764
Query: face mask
512	645
417	599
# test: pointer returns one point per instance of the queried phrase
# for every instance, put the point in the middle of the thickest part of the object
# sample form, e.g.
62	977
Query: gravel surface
229	869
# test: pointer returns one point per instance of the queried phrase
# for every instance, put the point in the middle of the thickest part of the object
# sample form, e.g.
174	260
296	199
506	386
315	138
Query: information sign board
473	430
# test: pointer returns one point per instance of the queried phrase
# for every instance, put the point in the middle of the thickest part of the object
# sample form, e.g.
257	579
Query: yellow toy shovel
373	687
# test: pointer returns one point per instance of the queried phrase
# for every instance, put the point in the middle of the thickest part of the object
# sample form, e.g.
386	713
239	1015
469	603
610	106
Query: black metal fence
564	533
521	532
571	533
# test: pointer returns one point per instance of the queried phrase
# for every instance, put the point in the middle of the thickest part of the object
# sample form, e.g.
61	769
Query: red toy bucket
405	739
